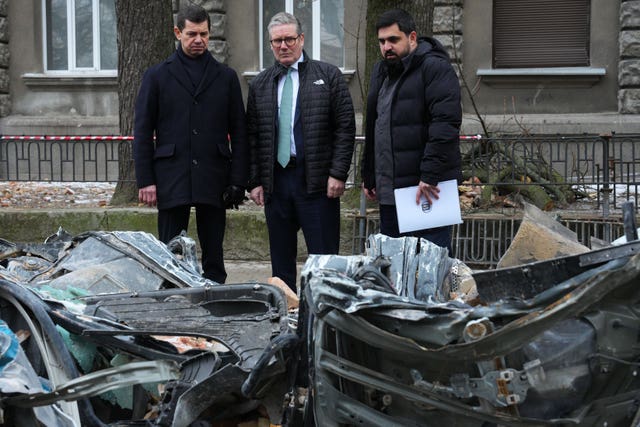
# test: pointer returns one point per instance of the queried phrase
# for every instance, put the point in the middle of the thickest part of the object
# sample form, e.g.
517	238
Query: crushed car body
117	327
556	342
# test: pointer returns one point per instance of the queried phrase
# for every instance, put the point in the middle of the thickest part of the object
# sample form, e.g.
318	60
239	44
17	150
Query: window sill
69	81
535	77
250	75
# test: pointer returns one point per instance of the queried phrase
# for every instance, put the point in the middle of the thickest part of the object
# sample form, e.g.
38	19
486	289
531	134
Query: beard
395	67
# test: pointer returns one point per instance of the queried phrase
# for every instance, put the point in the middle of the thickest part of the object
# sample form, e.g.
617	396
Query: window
322	22
80	35
542	33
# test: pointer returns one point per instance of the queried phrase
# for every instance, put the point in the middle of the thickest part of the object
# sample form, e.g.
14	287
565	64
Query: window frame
72	69
316	12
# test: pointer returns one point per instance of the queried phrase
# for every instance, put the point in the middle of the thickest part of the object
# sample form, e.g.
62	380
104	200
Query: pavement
239	271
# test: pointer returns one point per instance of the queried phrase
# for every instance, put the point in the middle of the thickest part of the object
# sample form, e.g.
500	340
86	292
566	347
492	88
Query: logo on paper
426	206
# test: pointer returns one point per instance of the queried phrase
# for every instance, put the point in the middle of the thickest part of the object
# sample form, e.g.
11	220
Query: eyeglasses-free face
286	44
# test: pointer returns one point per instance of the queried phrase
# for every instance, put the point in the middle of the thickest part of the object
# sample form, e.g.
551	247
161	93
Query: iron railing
604	164
61	158
603	170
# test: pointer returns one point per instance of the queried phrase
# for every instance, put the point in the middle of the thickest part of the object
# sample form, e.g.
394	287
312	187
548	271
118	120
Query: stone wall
5	99
629	66
218	45
447	26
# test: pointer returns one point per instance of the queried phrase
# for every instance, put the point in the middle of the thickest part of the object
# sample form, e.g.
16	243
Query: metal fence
482	239
61	158
602	170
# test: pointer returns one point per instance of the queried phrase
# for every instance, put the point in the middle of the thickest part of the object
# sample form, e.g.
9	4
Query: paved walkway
239	271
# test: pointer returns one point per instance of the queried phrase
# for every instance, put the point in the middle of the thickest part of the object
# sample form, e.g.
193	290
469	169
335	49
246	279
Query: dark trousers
288	209
210	222
441	236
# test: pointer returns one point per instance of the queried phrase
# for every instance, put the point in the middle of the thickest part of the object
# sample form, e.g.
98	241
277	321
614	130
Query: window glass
322	23
80	35
269	8
57	34
303	11
332	36
108	35
84	34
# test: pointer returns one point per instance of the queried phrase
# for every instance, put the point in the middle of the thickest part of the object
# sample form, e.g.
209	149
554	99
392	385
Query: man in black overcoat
190	147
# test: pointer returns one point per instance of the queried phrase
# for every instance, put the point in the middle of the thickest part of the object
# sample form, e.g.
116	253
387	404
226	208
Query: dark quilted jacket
327	119
425	121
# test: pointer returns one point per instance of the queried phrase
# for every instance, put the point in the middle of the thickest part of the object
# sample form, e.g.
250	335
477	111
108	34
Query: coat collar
280	70
211	72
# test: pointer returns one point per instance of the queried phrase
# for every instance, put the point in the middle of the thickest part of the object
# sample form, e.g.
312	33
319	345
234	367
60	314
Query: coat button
194	161
195	131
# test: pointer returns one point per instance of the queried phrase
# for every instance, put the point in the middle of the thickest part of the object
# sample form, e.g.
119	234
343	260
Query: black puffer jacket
425	121
327	119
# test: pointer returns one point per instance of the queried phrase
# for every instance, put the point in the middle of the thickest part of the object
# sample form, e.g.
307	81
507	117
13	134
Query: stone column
218	45
5	97
629	65
447	27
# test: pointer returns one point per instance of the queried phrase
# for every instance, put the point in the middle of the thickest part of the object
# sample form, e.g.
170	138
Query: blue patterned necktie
284	121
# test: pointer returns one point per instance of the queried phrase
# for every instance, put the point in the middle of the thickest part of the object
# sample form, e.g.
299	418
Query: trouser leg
172	221
283	226
211	221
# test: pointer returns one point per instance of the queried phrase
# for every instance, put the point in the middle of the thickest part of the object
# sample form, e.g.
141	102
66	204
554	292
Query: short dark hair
405	21
194	13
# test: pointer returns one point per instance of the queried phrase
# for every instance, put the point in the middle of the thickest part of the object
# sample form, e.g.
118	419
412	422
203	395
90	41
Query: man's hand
430	192
257	195
147	195
335	188
369	194
233	197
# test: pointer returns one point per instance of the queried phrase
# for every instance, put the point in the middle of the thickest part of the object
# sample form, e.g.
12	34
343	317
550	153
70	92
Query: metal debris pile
116	328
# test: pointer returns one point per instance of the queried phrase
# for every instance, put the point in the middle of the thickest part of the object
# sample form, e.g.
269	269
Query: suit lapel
179	73
211	72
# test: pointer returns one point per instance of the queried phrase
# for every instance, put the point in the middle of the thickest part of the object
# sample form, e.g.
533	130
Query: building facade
531	67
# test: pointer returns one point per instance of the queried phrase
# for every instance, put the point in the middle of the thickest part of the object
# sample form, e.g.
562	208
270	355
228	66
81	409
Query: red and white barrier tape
112	137
66	137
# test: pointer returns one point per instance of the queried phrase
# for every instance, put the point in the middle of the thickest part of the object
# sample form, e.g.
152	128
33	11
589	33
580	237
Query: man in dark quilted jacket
413	122
301	129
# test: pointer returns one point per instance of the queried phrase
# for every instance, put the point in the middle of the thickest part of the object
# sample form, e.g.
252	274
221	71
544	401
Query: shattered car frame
88	316
116	328
567	354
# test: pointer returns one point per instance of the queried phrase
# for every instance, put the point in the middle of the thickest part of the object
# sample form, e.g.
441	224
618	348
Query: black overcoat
200	144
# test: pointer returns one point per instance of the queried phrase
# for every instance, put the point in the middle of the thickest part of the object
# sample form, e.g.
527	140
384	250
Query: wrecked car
115	327
119	329
406	336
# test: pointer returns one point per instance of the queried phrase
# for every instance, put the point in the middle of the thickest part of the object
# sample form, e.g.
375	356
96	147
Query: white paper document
444	211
